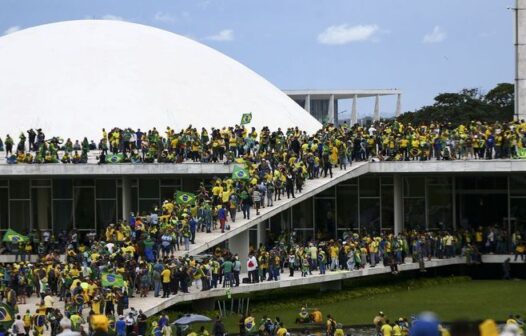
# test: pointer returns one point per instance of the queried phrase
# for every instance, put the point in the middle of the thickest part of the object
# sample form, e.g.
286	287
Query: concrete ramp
205	241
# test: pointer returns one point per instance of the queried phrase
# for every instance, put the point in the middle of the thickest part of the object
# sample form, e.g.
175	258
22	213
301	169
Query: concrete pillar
331	113
126	197
354	111
335	285
520	59
262	233
398	204
376	115
307	103
239	244
398	105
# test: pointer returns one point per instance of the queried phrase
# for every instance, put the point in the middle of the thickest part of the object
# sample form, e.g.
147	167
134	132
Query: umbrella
192	318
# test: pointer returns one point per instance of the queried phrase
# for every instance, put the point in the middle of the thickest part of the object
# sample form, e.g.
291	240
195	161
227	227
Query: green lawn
471	299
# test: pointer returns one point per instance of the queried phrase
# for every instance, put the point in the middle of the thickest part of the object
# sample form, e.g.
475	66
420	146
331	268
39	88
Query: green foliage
466	106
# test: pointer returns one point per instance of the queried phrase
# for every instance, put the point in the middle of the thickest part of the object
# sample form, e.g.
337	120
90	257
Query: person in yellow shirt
334	251
166	275
386	329
282	331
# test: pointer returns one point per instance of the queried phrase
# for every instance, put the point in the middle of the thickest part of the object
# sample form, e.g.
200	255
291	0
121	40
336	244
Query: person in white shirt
252	268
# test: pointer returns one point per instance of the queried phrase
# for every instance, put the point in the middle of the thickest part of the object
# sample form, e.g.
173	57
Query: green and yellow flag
6	315
11	236
246	118
182	197
240	173
112	280
115	158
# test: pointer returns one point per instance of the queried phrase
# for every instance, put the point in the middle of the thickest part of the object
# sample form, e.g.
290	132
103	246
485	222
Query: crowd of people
381	140
144	248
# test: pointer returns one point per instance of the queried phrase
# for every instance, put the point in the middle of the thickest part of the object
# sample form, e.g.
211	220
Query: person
282	331
203	331
165	274
166	330
252	266
18	326
142	323
379	321
65	325
331	325
386	329
120	326
339	330
219	327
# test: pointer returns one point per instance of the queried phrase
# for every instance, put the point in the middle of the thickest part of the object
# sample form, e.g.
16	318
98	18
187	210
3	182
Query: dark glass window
20	216
19	189
369	186
106	189
347	207
85	208
148	188
62	215
63	188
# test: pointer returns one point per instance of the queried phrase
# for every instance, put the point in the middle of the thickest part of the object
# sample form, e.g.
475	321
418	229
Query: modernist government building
74	78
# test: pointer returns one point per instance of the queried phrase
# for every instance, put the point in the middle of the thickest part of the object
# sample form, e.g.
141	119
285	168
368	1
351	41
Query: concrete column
398	204
307	103
239	244
354	112
126	197
520	59
262	233
398	105
376	115
331	112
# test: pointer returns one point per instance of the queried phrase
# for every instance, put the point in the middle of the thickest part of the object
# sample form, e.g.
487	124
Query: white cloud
11	30
112	17
165	17
436	36
223	35
343	34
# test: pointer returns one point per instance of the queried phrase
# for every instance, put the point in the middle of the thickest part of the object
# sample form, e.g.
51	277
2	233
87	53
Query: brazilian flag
115	158
112	280
11	236
6	315
182	197
240	173
246	118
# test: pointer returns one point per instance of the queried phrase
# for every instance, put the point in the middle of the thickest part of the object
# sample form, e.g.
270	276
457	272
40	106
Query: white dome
73	78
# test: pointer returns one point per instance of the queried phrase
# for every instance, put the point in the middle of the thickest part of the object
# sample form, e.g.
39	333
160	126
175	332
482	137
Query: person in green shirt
227	272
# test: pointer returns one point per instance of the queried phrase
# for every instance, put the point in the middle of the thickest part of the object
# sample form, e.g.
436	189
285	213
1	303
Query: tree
465	106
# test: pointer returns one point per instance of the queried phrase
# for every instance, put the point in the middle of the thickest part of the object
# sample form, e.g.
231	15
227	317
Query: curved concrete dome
73	78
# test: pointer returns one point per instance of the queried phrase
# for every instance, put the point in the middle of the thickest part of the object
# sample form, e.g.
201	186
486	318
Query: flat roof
190	168
342	93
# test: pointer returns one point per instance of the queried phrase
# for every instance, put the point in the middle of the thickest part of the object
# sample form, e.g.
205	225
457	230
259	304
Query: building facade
423	201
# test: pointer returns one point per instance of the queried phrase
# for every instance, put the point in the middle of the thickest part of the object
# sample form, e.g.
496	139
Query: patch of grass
457	299
451	298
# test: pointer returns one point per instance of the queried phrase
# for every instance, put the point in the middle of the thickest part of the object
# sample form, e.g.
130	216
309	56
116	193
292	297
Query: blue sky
423	47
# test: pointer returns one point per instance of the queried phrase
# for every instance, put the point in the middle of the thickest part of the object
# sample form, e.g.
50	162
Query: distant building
323	104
